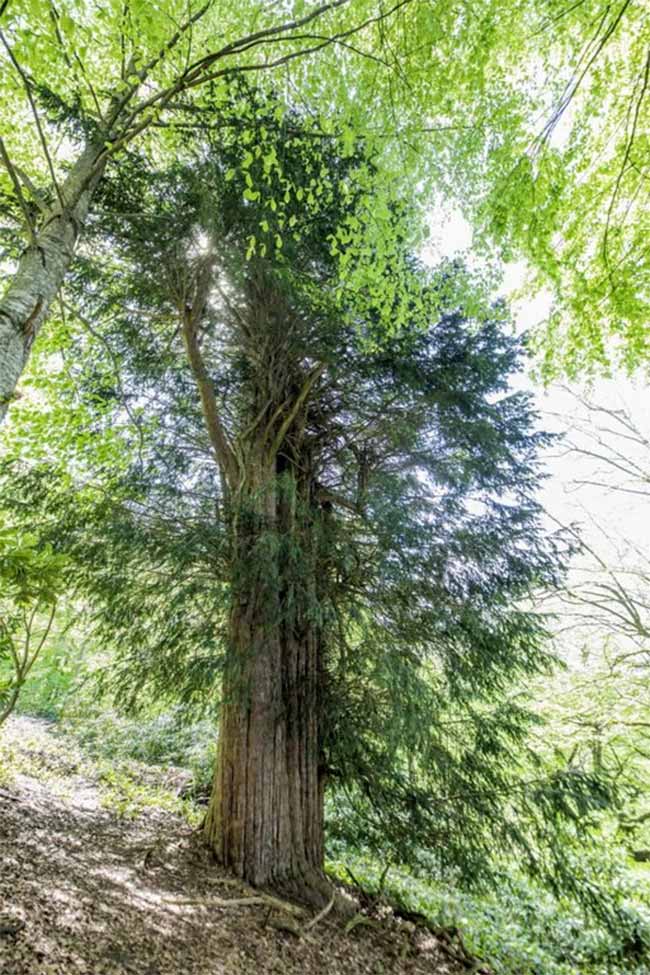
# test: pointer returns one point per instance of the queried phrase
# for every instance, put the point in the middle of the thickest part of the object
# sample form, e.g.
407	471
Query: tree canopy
532	119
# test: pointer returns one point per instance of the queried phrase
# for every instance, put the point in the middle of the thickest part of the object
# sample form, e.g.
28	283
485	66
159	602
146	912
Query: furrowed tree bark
41	271
265	817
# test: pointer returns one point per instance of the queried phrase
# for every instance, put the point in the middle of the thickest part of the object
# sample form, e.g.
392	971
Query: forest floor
101	874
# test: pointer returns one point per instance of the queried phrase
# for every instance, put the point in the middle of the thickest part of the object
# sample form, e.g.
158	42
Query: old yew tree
326	527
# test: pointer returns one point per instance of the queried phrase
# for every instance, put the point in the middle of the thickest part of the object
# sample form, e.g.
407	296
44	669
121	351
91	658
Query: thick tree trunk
265	818
41	271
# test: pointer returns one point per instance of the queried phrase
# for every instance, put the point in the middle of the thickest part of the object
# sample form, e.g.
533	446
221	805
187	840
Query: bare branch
29	222
222	447
41	134
624	163
573	85
298	403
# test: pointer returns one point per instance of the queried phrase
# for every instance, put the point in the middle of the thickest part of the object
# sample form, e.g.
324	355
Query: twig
6	161
382	879
41	134
352	878
89	327
253	901
34	193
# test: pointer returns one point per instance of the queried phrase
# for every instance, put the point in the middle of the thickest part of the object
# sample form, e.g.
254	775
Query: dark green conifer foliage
371	496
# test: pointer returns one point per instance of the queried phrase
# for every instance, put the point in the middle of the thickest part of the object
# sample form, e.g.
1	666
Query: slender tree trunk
41	272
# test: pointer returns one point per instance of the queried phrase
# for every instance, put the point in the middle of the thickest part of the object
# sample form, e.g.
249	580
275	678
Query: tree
599	717
147	57
607	590
32	579
81	86
340	523
561	177
534	120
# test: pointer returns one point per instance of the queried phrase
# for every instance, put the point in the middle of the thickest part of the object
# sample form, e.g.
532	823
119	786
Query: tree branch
4	156
41	135
315	373
218	438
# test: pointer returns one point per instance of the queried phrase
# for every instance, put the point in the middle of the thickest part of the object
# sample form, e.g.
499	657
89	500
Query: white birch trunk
41	271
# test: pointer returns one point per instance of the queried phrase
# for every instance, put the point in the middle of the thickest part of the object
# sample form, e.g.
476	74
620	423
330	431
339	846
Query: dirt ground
85	890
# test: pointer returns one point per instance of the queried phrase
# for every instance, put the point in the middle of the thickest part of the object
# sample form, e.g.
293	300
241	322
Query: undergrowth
64	689
127	796
517	928
126	787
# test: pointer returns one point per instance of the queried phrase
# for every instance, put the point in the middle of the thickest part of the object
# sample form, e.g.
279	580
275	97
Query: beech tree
140	73
338	524
463	106
560	175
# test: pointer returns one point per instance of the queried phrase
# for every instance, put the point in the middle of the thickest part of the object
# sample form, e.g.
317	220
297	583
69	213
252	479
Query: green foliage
534	118
516	926
31	578
66	686
31	574
62	674
61	756
596	719
125	794
148	77
409	546
559	178
171	737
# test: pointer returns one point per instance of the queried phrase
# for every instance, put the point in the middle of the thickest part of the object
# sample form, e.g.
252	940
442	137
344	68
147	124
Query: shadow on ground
85	892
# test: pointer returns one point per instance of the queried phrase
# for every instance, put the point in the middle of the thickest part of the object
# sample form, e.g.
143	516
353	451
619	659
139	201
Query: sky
578	489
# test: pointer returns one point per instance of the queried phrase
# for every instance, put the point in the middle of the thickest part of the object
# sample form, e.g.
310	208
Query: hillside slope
93	883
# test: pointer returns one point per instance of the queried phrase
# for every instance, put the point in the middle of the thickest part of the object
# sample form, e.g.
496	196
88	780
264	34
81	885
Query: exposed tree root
288	926
449	939
321	914
252	901
358	920
313	889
